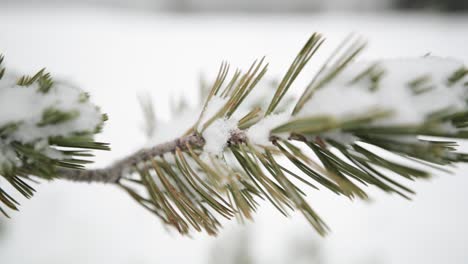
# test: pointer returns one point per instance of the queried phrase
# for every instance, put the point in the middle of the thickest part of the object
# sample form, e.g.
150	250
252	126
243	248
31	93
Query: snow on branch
248	141
44	124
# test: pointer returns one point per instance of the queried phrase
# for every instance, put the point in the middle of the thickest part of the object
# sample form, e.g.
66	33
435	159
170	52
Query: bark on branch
114	172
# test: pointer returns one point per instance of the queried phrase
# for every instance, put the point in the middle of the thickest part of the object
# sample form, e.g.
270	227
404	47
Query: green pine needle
191	189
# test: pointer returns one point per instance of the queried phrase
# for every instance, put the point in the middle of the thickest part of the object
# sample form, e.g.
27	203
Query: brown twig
114	172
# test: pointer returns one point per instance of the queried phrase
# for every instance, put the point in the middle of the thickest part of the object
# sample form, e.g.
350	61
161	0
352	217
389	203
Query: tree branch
114	172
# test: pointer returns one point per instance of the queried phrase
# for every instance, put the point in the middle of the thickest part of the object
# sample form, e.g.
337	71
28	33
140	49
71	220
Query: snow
8	157
259	133
218	134
43	147
25	106
393	92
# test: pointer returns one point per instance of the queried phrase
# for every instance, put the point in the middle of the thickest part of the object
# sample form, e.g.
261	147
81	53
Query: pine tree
356	124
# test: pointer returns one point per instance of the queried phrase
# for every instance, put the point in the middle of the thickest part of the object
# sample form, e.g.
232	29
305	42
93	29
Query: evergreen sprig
191	188
22	161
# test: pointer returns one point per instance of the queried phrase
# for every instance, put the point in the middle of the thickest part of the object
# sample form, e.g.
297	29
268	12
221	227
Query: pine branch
392	119
116	171
44	125
113	173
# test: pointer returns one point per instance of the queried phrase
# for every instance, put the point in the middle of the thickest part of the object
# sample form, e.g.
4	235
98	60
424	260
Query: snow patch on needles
32	114
410	88
26	106
218	134
8	157
260	133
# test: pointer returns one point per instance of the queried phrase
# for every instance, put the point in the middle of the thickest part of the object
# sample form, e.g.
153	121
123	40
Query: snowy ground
115	56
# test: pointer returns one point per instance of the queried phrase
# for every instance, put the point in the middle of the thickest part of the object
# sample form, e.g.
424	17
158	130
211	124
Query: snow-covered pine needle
357	123
349	109
44	124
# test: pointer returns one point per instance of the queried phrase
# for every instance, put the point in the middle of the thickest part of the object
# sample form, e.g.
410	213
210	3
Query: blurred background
118	49
253	6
